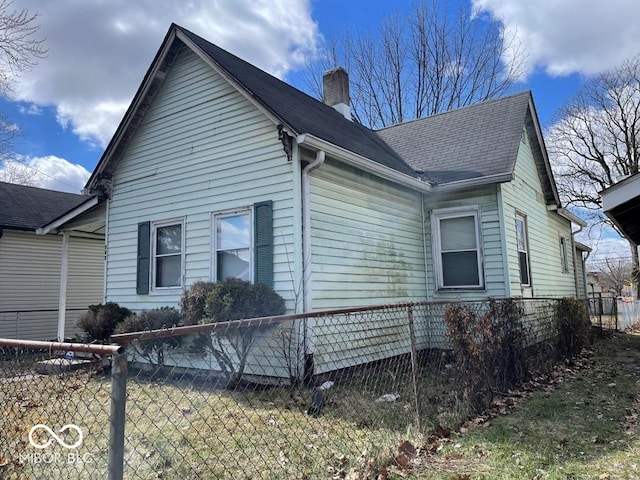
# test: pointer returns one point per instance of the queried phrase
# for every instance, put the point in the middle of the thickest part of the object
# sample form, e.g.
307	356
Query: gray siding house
219	170
45	280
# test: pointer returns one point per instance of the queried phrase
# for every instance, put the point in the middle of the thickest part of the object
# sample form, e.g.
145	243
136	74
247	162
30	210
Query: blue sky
69	105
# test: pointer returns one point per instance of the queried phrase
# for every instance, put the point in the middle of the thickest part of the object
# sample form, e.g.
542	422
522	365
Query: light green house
219	169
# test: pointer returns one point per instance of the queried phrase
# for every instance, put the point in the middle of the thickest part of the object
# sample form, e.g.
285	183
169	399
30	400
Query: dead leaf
407	448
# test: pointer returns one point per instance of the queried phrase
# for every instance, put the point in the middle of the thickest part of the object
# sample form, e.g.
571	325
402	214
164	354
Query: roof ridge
459	109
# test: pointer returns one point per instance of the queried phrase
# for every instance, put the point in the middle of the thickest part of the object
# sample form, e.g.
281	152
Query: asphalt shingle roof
471	142
301	112
27	208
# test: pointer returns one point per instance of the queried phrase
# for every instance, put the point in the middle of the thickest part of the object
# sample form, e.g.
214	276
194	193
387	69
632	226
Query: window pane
524	268
168	271
169	239
233	232
458	233
234	264
521	235
459	269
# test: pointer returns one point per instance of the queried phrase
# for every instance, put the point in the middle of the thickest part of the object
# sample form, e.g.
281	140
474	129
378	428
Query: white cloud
569	36
51	172
98	51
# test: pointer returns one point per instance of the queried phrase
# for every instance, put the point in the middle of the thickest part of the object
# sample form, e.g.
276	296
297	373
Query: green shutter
263	243
144	252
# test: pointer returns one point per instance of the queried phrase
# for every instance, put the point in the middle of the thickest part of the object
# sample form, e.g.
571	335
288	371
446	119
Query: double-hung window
523	249
564	259
233	245
458	252
160	262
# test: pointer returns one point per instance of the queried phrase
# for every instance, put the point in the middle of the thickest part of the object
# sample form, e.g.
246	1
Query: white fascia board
620	193
58	222
474	182
363	163
566	214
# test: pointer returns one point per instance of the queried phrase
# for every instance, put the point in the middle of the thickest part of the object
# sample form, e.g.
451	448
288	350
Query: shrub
574	326
488	348
100	321
192	302
236	299
232	299
164	317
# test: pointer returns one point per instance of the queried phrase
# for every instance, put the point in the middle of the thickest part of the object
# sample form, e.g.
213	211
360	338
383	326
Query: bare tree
430	61
20	50
595	141
616	274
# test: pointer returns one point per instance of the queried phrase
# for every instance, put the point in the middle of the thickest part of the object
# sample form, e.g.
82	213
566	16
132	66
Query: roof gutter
363	163
572	217
474	182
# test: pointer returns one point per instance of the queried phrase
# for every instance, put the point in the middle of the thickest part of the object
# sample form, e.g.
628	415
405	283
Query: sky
68	106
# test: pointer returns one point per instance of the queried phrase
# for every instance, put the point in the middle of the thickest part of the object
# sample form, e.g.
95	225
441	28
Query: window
243	244
523	249
167	253
457	243
564	260
233	245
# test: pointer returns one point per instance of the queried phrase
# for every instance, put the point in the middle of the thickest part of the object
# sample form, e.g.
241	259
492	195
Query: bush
192	302
236	299
100	321
157	318
232	299
488	347
574	326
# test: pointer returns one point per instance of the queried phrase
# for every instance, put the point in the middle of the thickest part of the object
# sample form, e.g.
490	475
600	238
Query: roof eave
474	182
53	226
363	163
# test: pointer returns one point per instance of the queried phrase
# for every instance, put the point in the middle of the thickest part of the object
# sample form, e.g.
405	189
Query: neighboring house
219	169
621	203
33	300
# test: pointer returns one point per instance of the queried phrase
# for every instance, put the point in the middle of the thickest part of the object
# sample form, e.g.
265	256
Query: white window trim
214	239
154	290
456	212
523	217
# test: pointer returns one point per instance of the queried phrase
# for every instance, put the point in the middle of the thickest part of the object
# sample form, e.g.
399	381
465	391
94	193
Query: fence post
414	364
117	417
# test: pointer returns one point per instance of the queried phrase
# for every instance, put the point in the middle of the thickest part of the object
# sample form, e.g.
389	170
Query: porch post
62	299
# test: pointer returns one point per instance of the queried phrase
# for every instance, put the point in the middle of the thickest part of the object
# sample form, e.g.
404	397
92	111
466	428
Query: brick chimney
335	87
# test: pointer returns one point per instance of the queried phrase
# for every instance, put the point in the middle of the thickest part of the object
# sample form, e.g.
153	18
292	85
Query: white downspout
306	267
64	275
306	228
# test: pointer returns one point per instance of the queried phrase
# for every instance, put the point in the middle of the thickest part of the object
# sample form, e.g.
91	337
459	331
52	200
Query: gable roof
478	142
474	145
27	208
298	112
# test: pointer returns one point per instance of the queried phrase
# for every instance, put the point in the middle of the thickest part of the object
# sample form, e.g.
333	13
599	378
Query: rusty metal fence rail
322	395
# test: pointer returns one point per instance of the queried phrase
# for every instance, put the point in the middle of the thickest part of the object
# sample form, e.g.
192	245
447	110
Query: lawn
579	423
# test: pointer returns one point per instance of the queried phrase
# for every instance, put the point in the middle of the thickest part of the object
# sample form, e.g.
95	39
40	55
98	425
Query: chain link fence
321	395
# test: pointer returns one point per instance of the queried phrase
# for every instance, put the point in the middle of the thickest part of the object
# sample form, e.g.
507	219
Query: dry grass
580	424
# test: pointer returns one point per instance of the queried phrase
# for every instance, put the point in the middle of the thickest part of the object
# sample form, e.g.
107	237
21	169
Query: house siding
30	283
201	148
485	199
366	240
525	195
